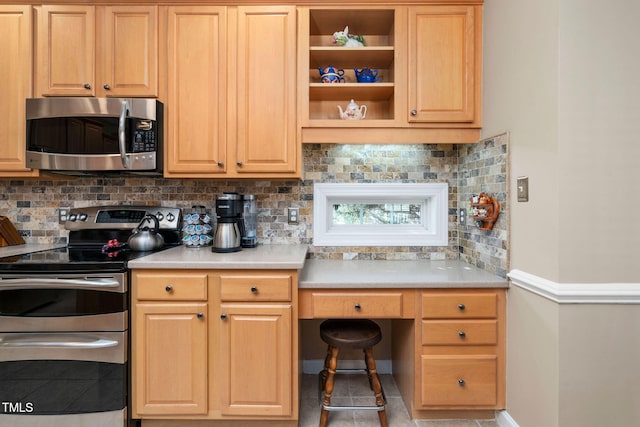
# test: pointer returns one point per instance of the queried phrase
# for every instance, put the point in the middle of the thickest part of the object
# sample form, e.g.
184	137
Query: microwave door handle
58	283
121	134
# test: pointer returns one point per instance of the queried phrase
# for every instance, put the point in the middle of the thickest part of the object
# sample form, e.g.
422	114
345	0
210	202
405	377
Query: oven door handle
56	340
122	138
58	283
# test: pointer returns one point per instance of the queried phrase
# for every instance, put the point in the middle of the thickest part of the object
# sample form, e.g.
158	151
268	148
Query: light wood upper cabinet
197	96
443	60
129	64
231	92
15	86
97	50
265	39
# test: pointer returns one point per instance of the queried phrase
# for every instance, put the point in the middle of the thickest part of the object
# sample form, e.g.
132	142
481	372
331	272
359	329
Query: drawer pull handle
461	382
254	289
200	315
357	307
461	307
169	288
223	316
461	334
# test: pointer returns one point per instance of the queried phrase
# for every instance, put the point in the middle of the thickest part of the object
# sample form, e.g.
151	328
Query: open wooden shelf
486	211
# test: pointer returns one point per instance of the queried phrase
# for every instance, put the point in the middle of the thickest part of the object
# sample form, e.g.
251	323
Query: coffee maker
228	238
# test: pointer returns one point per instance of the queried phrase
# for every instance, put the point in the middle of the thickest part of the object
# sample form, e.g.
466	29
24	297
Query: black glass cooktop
84	253
71	259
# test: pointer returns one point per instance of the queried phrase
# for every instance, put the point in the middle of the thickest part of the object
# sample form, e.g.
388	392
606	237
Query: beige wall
563	77
533	345
599	147
599	357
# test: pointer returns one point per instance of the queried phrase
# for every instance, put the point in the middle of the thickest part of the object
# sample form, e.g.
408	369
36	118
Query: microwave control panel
144	137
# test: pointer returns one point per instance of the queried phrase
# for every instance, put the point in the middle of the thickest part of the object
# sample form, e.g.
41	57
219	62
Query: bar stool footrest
332	408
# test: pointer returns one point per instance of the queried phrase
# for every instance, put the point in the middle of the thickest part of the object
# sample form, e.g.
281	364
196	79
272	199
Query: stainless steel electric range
64	322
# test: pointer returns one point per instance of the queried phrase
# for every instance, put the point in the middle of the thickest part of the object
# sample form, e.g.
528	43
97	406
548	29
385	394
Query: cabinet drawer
459	380
356	304
255	288
459	305
174	287
456	332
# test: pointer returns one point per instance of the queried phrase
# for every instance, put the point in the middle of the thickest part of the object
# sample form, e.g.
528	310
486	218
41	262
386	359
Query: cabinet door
128	60
442	63
256	359
265	42
169	359
65	51
196	107
15	82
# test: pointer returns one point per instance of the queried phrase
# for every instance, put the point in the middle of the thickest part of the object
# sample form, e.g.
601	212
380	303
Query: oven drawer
63	373
170	287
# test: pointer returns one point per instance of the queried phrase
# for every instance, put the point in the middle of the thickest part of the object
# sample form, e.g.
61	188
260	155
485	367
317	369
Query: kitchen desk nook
217	337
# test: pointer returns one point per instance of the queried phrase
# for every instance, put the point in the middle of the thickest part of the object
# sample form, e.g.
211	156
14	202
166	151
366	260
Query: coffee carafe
228	236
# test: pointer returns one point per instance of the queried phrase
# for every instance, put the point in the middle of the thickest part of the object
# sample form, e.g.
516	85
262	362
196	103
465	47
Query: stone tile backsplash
32	205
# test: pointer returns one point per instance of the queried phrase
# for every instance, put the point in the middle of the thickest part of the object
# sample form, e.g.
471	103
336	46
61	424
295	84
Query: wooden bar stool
356	334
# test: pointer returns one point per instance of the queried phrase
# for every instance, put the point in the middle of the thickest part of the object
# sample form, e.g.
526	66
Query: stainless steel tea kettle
145	238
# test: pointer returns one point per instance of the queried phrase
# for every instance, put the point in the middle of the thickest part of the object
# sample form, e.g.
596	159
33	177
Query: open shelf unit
377	26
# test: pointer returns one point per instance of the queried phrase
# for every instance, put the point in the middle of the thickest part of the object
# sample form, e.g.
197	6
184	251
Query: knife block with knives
9	235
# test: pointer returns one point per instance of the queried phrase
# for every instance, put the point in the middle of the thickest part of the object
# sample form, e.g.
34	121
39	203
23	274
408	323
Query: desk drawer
357	304
459	380
255	288
459	305
170	286
456	332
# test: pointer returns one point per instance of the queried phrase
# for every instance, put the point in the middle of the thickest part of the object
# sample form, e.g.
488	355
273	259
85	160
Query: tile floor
354	390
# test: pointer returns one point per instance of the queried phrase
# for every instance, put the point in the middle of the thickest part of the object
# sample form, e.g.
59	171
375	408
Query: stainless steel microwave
81	136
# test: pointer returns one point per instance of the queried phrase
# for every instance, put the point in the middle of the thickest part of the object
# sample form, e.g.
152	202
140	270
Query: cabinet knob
239	163
223	316
106	87
200	315
357	307
254	289
220	164
414	112
87	86
461	307
461	334
168	288
461	382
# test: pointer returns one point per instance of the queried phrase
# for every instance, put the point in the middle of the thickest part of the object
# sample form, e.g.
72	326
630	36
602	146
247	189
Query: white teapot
353	111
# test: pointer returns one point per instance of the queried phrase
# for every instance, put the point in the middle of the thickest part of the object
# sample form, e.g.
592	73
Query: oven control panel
121	217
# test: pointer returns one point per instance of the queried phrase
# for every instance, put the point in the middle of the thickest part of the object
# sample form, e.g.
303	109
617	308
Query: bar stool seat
355	334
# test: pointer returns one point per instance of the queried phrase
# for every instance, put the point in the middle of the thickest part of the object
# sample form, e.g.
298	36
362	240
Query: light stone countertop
396	274
260	257
27	248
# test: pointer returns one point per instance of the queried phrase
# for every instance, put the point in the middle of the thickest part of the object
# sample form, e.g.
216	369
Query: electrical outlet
63	215
462	216
293	215
523	188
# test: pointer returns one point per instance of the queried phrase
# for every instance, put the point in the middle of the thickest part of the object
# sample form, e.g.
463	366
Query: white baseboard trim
313	366
577	293
503	419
